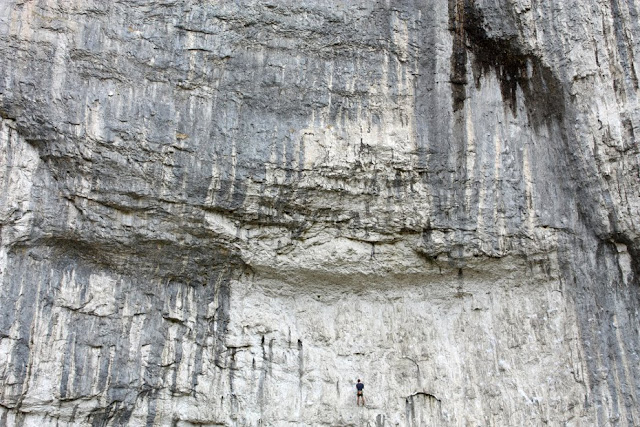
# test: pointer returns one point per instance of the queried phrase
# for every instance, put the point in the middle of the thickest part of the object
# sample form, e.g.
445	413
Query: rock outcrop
224	213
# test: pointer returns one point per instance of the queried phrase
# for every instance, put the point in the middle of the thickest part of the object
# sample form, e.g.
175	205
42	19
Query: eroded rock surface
224	213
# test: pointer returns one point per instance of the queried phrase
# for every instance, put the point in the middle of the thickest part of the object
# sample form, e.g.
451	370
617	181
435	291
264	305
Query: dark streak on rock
263	375
459	53
152	399
624	45
64	379
221	319
543	92
300	361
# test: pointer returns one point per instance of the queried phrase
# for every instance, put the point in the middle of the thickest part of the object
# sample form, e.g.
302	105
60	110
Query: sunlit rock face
225	213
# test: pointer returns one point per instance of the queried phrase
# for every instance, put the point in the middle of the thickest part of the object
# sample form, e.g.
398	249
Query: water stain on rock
505	56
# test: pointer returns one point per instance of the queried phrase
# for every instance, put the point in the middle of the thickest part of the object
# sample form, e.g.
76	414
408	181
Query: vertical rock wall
224	213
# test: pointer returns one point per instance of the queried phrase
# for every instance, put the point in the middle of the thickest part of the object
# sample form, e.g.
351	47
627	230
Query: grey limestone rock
224	213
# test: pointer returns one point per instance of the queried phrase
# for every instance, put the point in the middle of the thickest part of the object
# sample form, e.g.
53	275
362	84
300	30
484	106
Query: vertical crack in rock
300	361
221	320
263	375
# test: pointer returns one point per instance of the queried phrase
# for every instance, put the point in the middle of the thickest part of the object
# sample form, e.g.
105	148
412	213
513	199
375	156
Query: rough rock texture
224	213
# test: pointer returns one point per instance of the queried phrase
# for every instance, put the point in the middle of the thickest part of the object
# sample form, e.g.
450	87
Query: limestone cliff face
224	213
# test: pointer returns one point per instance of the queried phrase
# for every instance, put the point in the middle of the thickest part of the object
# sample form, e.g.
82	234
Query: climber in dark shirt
359	393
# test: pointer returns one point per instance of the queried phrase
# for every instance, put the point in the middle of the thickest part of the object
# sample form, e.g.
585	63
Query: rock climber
359	393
